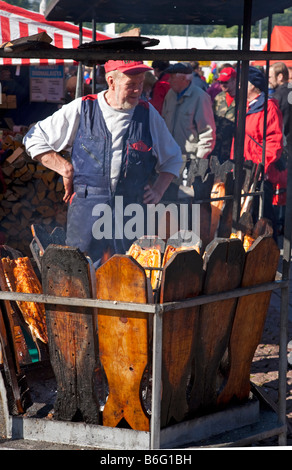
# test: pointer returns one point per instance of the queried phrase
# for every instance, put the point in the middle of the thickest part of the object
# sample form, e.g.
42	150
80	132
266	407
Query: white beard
125	105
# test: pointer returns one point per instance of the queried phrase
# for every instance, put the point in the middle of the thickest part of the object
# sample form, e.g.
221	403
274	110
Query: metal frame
157	310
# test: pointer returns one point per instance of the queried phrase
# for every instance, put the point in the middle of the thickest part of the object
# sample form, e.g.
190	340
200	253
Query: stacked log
33	194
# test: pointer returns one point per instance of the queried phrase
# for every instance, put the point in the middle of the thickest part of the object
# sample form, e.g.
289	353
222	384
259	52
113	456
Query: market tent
281	41
201	42
16	22
227	12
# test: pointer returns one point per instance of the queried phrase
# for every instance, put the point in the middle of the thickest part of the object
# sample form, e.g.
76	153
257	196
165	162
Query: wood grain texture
181	279
260	266
202	190
72	334
123	340
217	191
225	225
223	265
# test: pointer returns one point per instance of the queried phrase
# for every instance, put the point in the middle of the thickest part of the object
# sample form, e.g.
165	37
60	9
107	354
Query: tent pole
261	198
94	66
79	84
240	127
284	307
237	75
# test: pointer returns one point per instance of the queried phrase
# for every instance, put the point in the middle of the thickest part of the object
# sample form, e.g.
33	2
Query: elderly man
118	144
224	113
188	114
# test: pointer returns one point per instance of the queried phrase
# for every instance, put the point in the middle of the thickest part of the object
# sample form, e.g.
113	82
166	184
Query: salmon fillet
148	258
20	277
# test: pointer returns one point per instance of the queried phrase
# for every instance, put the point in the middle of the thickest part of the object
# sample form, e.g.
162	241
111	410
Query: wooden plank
181	279
223	265
260	266
224	173
58	236
202	190
225	225
218	190
123	340
71	333
41	236
42	239
256	174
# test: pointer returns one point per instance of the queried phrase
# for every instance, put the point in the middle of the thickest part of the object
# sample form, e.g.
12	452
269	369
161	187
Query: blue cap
180	67
257	78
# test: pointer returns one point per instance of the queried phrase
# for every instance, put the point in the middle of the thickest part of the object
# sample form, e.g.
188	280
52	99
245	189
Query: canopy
227	12
281	41
16	22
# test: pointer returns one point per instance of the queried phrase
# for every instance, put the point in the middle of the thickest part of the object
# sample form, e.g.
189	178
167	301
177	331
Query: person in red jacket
275	176
254	125
161	87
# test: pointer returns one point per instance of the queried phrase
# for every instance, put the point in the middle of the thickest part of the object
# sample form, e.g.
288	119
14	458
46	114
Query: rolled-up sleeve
56	132
165	148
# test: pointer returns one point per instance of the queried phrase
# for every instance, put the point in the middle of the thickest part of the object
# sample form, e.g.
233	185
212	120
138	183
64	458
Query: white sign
47	83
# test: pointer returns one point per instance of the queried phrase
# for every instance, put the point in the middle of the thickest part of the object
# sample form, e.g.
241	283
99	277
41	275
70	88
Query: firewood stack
33	195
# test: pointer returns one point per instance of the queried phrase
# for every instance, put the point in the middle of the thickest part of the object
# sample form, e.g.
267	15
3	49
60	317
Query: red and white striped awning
16	22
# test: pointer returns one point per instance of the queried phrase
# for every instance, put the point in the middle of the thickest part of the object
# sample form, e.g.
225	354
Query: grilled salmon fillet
170	250
148	258
20	277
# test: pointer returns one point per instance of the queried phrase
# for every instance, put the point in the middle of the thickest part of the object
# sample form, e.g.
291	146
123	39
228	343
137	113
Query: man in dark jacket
197	79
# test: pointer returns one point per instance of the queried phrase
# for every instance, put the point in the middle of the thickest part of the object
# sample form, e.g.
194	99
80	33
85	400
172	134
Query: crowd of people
145	133
201	117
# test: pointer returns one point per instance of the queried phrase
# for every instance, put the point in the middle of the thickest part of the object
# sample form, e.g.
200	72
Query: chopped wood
34	194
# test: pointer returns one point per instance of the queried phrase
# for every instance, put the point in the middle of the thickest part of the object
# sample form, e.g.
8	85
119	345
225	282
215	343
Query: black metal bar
284	312
79	83
240	128
101	55
93	83
261	206
237	75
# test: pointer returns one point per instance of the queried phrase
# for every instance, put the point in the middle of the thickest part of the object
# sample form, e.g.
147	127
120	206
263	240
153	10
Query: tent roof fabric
16	22
281	41
187	12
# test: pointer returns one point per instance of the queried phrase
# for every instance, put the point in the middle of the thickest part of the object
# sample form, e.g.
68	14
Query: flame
107	254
